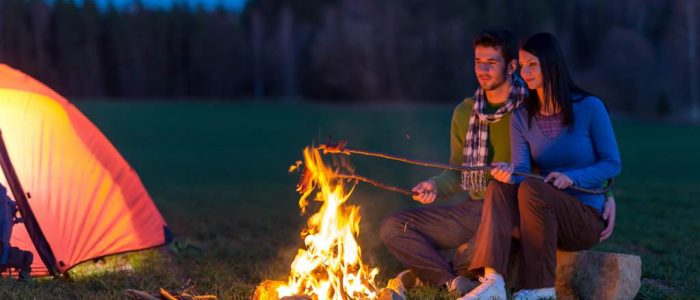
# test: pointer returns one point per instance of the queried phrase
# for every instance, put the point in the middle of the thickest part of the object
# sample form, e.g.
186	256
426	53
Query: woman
567	133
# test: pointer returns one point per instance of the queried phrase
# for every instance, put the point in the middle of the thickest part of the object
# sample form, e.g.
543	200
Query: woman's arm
519	146
608	162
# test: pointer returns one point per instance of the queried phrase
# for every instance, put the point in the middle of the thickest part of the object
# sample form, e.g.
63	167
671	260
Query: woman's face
530	69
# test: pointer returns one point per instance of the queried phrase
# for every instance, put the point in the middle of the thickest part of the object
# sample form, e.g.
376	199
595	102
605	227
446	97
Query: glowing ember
331	265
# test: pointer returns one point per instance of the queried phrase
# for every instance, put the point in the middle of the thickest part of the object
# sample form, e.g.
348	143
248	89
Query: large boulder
597	275
580	275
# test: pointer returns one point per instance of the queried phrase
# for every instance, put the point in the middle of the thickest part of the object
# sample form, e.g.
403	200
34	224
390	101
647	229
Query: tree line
640	56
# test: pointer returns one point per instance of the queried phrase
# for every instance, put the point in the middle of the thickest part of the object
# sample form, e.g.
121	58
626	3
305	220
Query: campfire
330	266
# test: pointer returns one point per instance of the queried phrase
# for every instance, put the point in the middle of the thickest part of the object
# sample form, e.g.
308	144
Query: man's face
530	69
490	67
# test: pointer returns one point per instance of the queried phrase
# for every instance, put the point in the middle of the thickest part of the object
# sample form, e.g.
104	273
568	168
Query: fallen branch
166	295
185	293
140	295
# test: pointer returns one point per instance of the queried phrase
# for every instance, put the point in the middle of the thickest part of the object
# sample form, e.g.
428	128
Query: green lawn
218	173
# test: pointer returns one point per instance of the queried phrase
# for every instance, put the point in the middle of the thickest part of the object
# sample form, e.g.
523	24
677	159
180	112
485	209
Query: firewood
166	294
185	294
140	295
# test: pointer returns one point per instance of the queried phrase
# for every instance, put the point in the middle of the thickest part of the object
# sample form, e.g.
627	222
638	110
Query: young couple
527	116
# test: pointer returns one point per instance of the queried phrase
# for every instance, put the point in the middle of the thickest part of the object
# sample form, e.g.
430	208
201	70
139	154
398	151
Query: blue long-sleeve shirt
588	155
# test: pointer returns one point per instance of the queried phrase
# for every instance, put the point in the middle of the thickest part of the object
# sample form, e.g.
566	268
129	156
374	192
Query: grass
218	173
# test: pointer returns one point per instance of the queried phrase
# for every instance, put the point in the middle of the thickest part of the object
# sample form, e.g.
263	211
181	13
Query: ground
218	173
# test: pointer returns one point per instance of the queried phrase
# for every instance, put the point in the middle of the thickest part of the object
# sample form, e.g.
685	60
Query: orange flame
331	265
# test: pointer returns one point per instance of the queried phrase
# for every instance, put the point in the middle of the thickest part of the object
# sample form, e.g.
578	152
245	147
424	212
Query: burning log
268	290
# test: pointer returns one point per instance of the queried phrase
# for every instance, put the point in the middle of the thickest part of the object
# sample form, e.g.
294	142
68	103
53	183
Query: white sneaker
535	294
491	288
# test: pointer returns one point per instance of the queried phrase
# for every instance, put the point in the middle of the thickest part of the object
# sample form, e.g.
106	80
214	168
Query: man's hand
609	217
425	192
559	180
502	171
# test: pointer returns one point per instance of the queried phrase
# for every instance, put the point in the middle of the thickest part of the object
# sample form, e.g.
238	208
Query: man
11	257
479	135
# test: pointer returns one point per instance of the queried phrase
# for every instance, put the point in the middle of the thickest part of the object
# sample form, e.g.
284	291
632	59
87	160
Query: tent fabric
86	198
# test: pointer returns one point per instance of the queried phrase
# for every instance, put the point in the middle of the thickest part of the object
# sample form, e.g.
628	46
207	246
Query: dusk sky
230	4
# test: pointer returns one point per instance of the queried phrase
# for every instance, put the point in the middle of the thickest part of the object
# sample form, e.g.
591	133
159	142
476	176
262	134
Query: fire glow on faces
490	67
530	69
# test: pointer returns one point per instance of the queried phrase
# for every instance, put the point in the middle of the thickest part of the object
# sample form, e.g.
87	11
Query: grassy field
218	173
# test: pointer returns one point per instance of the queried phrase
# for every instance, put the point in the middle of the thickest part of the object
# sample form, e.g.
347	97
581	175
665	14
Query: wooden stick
166	294
187	289
139	295
332	149
341	149
376	184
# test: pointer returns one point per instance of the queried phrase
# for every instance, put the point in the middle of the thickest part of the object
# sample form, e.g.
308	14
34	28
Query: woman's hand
502	171
559	180
609	217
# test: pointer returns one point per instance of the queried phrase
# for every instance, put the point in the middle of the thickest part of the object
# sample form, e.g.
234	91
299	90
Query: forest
641	57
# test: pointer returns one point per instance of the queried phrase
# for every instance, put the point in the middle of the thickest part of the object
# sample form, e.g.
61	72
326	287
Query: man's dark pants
416	237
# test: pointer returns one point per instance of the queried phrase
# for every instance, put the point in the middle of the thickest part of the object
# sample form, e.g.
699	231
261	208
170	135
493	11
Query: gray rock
597	275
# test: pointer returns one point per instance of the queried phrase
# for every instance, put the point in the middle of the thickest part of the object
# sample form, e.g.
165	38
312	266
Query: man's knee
392	226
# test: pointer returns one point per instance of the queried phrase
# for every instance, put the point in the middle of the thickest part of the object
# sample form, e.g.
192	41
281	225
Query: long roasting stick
341	149
377	184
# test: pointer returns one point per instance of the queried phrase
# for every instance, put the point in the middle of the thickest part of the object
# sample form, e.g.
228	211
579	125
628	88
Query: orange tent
78	198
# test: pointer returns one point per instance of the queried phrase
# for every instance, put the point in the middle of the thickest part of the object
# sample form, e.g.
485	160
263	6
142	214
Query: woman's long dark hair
559	89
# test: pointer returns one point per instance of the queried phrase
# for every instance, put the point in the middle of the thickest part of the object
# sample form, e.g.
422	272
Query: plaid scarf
475	143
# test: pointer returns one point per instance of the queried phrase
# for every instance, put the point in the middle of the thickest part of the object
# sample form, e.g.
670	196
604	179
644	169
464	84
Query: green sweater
449	182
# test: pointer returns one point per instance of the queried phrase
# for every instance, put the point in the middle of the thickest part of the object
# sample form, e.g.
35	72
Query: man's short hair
501	38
